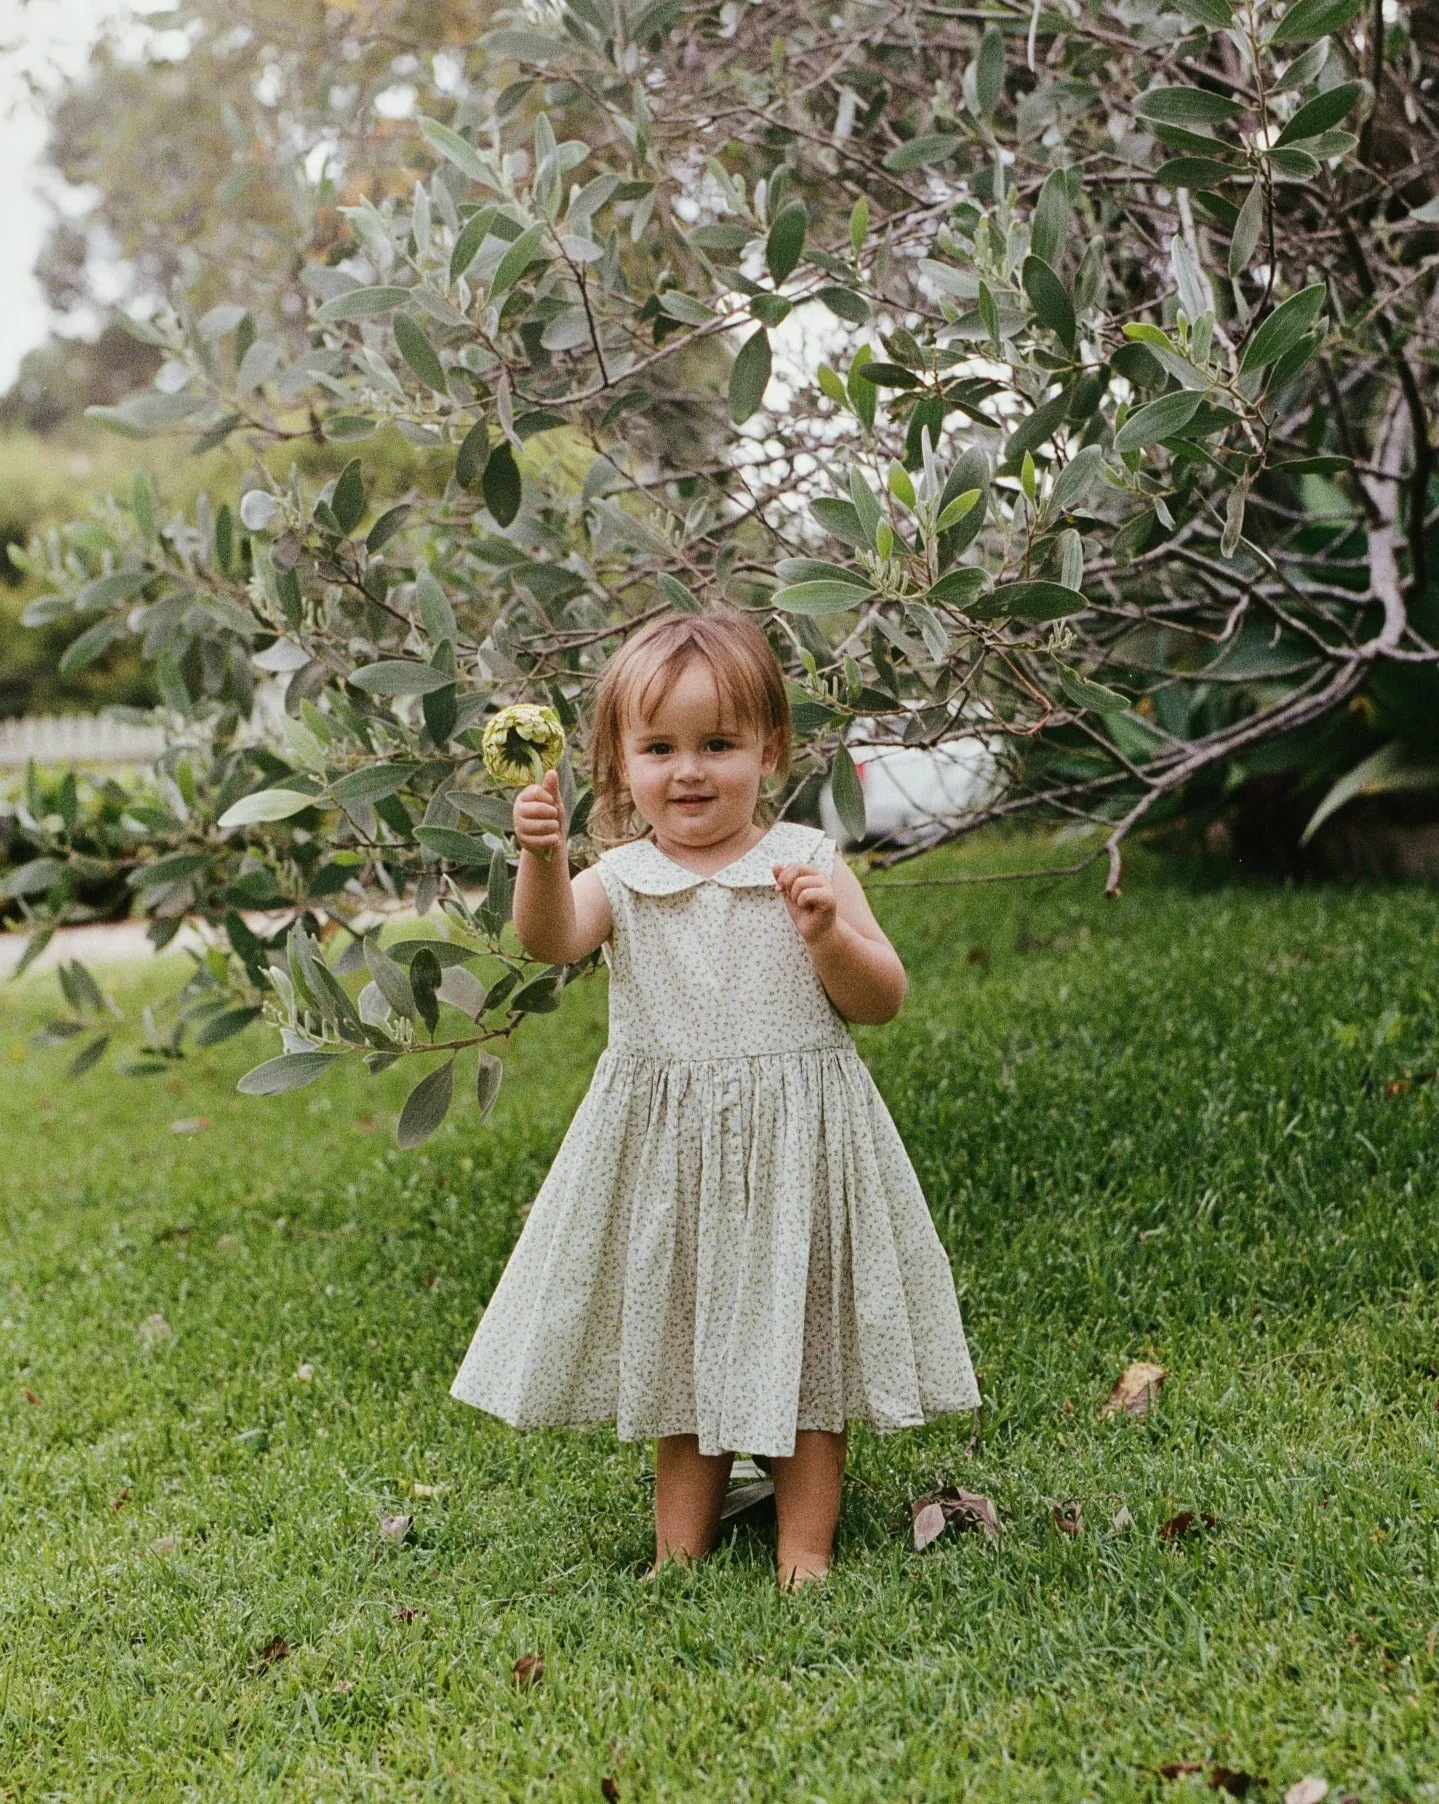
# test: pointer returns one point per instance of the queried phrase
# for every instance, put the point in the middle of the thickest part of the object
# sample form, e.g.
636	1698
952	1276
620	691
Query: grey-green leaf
1051	215
455	149
921	151
292	1071
372	784
1076	479
819	597
866	506
1244	239
845	790
749	377
426	1106
1050	299
459	848
362	303
226	1025
840	519
471	458
436	615
1187	106
1158	419
264	805
471	236
516	260
1214	13
487	1083
1086	694
390	980
989	71
786	241
420	354
398	676
1288	323
92	644
88	1056
845	304
1319	114
1310	19
1028	601
347	500
501	484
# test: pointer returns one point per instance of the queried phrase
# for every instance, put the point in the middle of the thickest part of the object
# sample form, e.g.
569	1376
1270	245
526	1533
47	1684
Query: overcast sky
44	38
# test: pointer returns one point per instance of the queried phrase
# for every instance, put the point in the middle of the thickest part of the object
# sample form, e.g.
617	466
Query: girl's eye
717	745
659	749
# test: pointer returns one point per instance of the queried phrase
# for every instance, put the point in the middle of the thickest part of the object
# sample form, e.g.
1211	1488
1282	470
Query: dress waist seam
825	1048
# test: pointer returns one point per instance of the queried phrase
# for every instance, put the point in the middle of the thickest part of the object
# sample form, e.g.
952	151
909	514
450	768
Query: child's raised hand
809	897
540	816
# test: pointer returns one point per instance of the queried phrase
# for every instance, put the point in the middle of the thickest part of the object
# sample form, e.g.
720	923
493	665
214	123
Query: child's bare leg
807	1489
689	1494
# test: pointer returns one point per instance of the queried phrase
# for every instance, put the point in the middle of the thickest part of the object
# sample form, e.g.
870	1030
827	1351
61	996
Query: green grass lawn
1171	1127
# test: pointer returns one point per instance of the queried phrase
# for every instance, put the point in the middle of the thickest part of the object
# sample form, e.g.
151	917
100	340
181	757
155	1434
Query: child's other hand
540	816
809	897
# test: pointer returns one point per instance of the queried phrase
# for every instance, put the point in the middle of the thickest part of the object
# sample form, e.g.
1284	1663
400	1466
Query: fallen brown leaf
977	955
1180	1769
117	1502
609	1790
394	1528
1068	1519
1123	1521
277	1648
29	1395
1237	1783
342	1687
1185	1523
527	1671
1396	1087
409	1613
366	1125
1309	1790
173	1234
951	1507
1135	1389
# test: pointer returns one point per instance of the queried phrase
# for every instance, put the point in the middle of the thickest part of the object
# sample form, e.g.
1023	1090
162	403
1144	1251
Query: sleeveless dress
731	1241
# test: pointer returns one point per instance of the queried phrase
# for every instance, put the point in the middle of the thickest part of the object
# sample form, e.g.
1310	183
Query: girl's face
694	771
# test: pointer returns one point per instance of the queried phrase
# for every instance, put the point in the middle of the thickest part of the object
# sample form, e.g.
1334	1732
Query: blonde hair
747	678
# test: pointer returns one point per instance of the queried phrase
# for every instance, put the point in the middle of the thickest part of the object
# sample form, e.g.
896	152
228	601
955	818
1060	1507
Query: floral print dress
731	1242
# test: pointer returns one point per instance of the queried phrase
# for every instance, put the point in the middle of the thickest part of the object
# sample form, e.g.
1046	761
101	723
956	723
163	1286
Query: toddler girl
731	1251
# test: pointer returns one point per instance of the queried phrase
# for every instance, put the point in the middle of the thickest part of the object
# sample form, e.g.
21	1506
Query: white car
910	788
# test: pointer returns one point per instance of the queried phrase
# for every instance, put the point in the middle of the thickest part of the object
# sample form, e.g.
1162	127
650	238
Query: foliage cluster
1056	380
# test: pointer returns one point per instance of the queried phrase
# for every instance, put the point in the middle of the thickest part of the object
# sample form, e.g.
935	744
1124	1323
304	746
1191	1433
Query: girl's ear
769	757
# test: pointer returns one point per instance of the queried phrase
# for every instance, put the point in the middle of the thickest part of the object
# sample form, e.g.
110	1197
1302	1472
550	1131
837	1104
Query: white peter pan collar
644	868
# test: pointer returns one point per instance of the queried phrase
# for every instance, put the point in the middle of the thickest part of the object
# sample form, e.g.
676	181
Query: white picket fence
76	740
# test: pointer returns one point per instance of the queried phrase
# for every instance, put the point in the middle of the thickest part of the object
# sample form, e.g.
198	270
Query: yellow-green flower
521	743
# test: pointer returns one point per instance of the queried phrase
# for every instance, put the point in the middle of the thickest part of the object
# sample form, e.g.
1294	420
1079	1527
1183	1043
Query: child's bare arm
558	919
858	967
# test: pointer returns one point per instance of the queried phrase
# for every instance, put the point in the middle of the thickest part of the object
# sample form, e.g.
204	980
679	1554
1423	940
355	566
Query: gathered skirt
734	1248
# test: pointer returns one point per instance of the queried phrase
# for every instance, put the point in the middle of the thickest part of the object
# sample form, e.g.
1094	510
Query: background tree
1055	380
